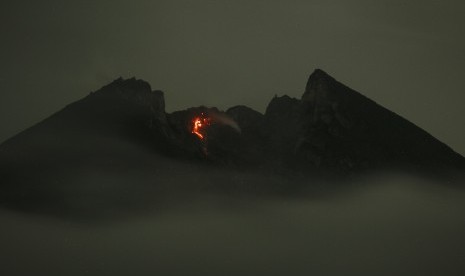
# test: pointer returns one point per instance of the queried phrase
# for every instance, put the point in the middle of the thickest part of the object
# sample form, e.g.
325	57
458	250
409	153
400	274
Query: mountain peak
318	83
131	84
132	90
319	73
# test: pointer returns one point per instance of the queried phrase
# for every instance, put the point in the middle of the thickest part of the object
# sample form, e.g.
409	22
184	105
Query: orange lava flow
198	124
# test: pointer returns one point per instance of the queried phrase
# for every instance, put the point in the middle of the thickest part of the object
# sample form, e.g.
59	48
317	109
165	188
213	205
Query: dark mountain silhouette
119	138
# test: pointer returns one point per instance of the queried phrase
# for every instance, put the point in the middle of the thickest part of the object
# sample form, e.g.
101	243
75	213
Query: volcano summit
123	126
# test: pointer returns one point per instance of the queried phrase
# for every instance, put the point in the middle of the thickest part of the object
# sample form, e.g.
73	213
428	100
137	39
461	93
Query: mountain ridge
327	111
122	136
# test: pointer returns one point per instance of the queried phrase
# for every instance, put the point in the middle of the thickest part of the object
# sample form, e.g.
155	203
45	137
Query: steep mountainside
123	127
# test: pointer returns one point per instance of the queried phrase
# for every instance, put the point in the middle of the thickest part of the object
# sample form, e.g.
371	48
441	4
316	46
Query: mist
390	224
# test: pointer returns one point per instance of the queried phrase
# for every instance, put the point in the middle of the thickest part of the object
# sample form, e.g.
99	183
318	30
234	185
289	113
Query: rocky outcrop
247	118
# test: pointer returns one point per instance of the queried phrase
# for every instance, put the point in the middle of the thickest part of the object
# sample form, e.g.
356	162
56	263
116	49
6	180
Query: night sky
406	55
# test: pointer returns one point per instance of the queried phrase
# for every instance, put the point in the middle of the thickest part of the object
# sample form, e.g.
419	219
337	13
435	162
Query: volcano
83	150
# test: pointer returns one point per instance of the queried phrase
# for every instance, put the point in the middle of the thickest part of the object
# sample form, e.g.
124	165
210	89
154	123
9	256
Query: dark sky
406	55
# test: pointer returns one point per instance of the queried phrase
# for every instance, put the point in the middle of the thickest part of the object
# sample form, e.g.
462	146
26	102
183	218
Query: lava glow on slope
198	125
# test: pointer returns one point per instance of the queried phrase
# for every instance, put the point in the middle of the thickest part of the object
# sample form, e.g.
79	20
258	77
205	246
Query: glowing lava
200	123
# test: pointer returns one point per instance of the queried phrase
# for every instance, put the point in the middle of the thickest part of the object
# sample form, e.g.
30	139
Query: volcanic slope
117	142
